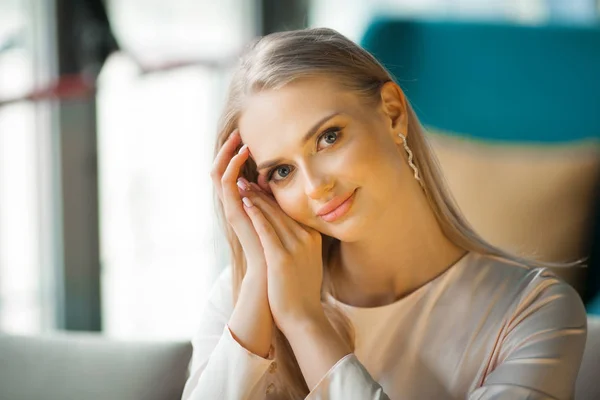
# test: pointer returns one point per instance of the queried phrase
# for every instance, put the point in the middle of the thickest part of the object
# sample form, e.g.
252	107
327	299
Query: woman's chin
348	232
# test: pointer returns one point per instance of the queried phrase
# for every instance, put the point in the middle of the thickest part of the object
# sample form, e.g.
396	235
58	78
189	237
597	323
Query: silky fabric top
485	328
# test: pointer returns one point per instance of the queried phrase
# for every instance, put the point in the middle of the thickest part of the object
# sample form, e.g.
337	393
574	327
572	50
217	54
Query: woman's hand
294	261
224	174
295	274
251	322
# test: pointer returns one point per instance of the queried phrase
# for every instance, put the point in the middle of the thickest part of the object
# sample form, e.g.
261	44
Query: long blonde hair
274	61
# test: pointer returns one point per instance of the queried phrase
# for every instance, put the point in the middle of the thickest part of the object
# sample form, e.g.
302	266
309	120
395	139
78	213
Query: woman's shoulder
493	270
524	288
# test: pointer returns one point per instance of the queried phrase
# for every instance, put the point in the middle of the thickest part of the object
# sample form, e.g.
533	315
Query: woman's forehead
295	103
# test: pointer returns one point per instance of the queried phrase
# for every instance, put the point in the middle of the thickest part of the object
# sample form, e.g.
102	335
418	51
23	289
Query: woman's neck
387	266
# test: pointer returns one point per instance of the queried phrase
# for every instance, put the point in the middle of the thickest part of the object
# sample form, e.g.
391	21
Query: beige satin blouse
484	329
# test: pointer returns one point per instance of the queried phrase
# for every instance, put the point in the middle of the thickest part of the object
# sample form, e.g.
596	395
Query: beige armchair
533	200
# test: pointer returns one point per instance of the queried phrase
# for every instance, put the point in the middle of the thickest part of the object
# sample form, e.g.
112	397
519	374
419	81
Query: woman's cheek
291	208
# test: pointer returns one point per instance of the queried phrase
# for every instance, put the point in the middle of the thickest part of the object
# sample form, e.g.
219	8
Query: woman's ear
393	104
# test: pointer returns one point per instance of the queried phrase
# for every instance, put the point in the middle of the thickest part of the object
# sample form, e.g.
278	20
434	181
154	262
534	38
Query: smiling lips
336	207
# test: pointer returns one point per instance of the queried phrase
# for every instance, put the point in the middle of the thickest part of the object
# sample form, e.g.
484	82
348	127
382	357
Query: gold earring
410	158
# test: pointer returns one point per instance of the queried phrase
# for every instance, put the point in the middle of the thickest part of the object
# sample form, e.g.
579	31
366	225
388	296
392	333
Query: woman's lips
340	210
333	204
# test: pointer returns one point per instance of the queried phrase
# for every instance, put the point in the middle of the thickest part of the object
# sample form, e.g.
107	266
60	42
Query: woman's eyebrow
311	132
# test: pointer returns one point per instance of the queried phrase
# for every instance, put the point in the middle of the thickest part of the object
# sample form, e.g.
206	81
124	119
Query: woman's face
322	141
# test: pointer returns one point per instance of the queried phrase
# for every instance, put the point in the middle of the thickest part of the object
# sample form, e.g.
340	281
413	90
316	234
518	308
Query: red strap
79	86
68	87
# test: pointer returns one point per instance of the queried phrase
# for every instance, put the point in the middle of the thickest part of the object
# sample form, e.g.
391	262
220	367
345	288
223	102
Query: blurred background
108	112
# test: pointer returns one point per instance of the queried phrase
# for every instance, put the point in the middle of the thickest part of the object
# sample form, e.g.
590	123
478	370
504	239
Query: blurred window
352	16
156	135
23	182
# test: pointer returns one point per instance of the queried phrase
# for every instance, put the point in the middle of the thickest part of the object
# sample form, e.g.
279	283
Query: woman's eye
277	169
330	136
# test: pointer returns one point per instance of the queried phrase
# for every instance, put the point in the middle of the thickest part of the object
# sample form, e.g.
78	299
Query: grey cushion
83	366
588	380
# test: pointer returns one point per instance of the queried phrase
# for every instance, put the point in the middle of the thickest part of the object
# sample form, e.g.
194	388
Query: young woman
353	273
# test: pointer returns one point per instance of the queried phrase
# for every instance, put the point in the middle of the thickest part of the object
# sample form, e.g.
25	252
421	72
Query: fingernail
244	147
242	183
247	202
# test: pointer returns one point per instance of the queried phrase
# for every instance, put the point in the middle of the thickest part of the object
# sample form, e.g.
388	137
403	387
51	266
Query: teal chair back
496	81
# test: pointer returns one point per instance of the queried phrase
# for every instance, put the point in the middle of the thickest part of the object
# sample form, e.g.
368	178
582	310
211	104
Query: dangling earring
410	159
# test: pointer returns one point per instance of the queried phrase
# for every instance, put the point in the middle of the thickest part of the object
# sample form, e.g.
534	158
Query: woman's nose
317	185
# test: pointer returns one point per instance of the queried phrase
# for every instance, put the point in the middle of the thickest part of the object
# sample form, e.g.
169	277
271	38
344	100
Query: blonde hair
276	60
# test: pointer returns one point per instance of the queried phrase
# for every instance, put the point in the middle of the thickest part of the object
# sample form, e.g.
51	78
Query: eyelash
335	129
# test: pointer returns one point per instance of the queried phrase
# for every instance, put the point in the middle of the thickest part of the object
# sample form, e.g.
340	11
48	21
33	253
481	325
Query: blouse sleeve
541	347
347	380
221	368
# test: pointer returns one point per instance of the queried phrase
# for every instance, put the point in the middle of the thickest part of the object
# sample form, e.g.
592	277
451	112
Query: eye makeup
333	129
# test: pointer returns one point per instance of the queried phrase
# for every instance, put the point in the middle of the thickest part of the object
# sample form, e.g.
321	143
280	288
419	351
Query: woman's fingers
222	161
232	201
269	238
299	229
225	172
285	227
250	241
229	187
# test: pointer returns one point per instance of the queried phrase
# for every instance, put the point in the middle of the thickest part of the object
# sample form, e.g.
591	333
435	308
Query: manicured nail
244	147
242	184
247	202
